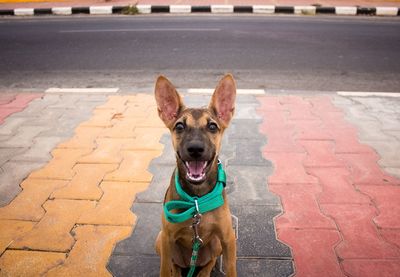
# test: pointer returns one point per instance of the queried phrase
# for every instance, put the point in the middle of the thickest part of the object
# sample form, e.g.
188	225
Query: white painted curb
390	11
263	9
100	10
62	10
82	90
306	10
180	9
368	94
144	8
346	10
238	91
23	12
222	8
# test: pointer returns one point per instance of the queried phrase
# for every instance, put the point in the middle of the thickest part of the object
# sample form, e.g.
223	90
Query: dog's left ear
223	100
169	102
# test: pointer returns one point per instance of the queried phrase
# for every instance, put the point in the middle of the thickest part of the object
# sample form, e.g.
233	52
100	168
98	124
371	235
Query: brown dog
196	137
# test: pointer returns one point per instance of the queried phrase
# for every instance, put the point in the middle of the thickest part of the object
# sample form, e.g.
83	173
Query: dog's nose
195	149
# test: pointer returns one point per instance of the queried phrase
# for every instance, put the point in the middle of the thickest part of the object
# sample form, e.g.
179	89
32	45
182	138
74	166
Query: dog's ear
223	100
169	102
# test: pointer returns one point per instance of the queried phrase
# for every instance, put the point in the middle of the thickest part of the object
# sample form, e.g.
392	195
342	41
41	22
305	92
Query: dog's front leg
166	269
229	254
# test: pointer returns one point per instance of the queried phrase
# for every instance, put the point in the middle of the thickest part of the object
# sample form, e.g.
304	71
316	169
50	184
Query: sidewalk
313	179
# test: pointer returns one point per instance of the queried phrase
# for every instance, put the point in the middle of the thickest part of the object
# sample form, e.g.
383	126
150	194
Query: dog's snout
195	149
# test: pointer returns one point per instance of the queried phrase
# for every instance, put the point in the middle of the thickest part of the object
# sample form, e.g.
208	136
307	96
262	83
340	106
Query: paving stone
146	139
29	263
11	175
365	170
63	128
249	152
100	118
246	111
5	112
268	268
114	206
85	183
301	208
250	185
52	233
257	236
10	230
66	102
288	169
120	129
28	204
10	125
244	129
39	150
336	187
22	100
116	103
307	245
60	167
142	240
371	268
106	152
311	130
7	97
24	136
360	237
7	154
346	141
281	140
133	167
84	138
100	240
389	152
386	200
320	154
322	103
161	179
391	235
146	266
394	171
168	156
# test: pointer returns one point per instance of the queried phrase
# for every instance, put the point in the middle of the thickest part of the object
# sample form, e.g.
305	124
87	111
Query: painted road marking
367	94
144	30
82	90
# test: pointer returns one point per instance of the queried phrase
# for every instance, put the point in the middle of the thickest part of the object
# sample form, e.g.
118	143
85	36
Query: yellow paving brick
28	204
60	167
92	250
122	128
146	139
52	233
115	103
11	229
84	138
100	118
85	183
144	99
133	167
114	207
140	110
107	151
28	263
152	122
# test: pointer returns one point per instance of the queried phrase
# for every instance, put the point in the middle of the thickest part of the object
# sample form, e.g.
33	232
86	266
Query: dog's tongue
196	167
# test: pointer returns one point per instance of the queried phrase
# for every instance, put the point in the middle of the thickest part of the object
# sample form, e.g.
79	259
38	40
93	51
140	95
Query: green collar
195	205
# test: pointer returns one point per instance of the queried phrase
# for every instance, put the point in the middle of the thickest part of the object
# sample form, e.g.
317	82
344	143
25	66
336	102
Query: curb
215	9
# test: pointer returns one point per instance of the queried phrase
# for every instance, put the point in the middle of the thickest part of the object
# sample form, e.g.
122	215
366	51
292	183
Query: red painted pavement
11	103
341	210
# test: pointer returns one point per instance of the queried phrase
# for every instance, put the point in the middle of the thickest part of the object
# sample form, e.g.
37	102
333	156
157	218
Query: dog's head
196	132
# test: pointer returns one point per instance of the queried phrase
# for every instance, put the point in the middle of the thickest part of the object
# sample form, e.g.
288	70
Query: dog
196	137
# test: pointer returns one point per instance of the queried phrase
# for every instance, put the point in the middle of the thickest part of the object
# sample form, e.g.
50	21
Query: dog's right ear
169	102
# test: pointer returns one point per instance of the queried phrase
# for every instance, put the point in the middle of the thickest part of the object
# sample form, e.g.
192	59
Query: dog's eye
212	127
179	127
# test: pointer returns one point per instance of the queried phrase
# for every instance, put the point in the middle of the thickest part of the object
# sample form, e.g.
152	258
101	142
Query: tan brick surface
60	167
85	183
28	263
84	138
107	151
114	206
28	204
133	167
90	254
79	203
52	233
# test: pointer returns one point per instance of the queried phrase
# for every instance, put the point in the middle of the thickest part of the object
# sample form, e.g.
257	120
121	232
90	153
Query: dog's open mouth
196	170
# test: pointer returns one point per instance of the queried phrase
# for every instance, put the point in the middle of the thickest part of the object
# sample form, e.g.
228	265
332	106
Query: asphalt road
271	52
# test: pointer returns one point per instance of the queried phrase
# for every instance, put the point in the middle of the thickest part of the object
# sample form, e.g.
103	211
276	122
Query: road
270	52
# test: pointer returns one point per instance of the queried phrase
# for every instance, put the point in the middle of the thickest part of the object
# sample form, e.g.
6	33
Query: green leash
193	208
